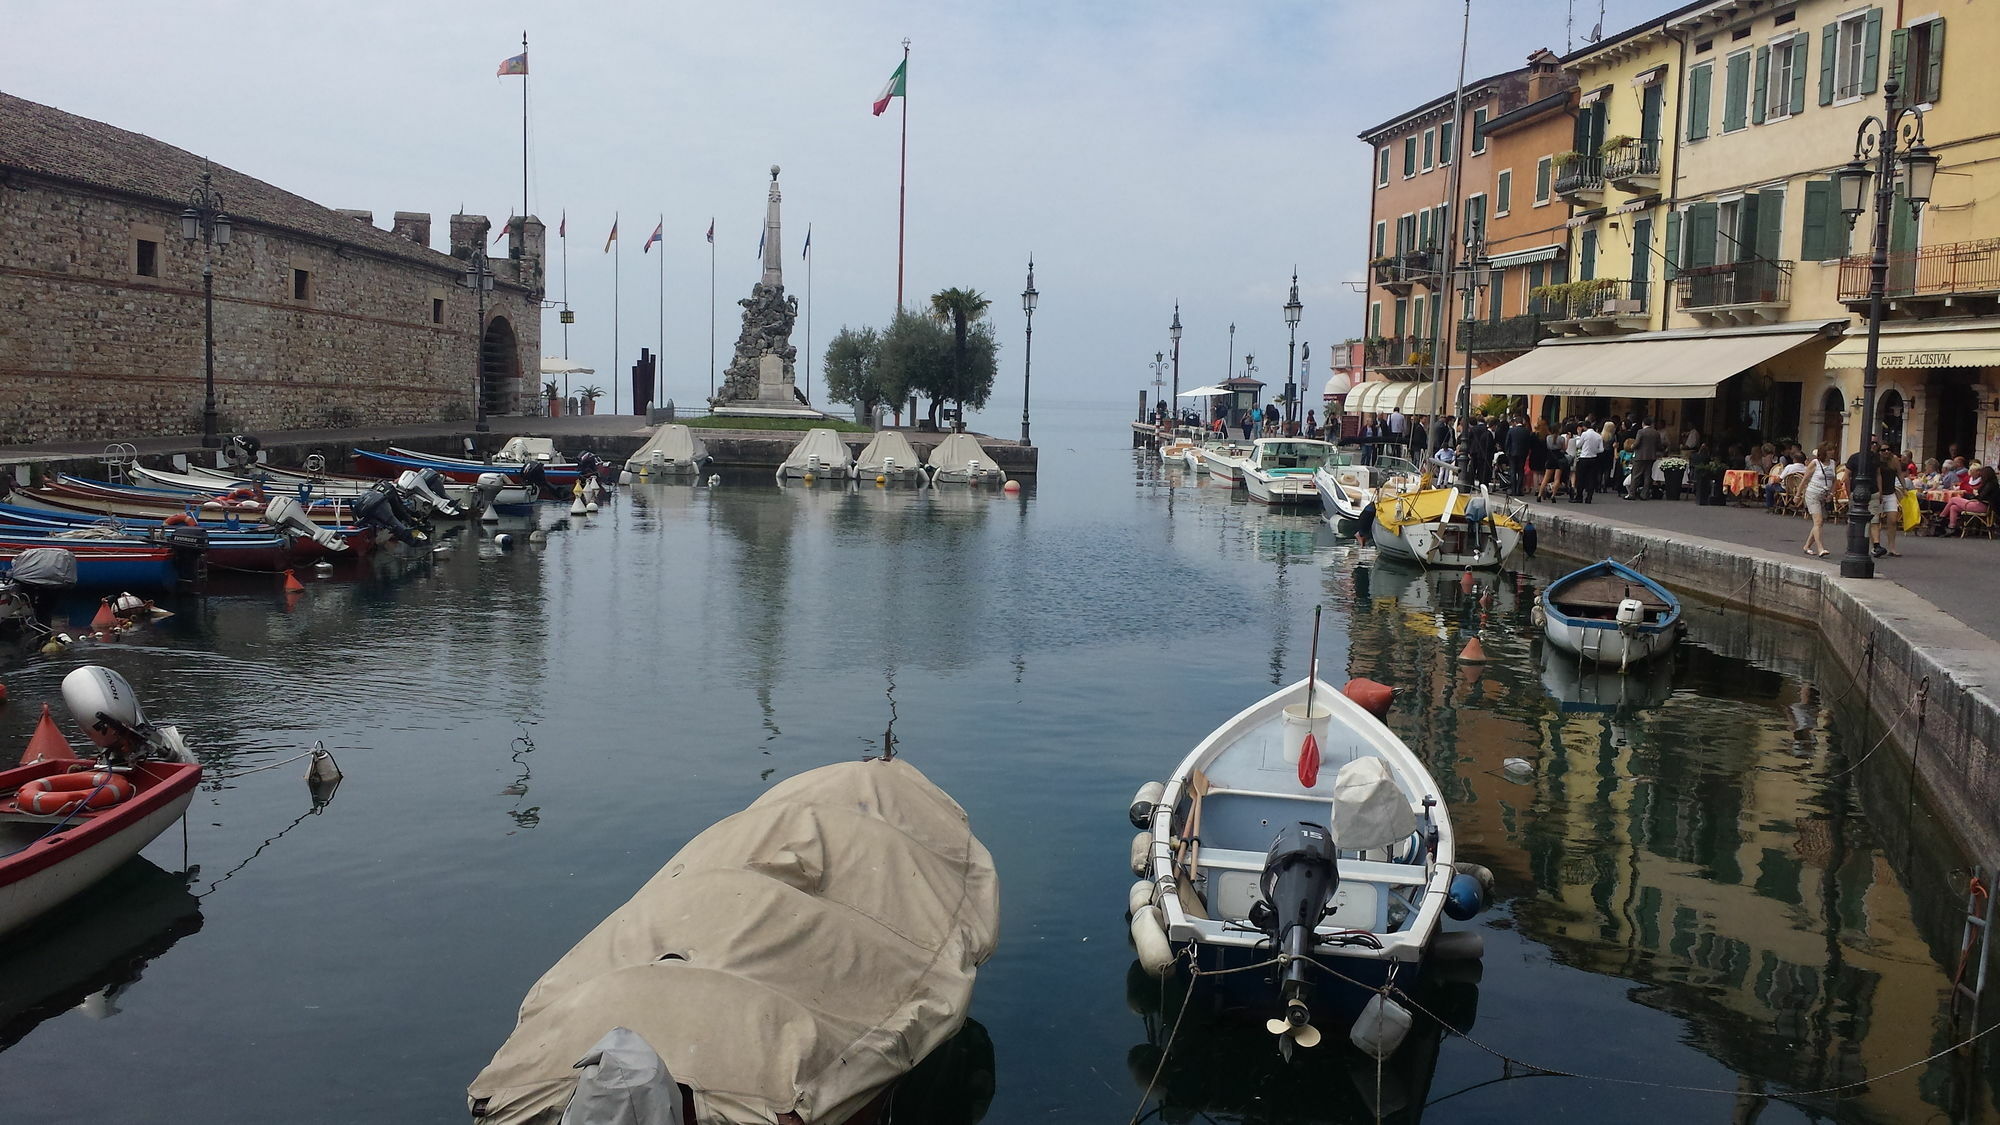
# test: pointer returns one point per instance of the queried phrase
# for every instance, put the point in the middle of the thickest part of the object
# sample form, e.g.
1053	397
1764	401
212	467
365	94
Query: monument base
776	397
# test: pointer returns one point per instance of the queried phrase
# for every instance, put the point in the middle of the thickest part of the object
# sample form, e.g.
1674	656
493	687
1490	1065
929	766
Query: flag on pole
894	88
760	244
562	228
711	232
516	65
613	237
806	250
654	237
504	228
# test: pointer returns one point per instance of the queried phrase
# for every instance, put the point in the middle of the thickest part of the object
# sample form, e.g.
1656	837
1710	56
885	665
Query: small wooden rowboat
1611	614
67	821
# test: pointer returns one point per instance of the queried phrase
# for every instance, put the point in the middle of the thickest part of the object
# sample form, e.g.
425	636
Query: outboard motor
286	514
241	451
532	474
380	509
489	485
416	496
107	708
435	483
1300	876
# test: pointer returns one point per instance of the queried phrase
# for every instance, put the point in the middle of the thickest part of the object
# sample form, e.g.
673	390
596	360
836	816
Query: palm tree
959	308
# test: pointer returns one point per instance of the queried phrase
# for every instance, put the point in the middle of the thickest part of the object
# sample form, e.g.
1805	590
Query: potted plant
1673	471
1708	482
1614	143
590	395
553	397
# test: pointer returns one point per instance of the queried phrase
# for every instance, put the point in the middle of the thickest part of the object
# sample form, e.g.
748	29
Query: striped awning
1380	396
1526	257
1678	364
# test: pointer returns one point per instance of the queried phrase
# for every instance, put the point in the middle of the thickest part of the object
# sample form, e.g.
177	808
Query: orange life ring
181	519
246	492
64	792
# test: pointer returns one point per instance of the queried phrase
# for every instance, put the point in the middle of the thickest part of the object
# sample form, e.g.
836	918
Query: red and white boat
66	820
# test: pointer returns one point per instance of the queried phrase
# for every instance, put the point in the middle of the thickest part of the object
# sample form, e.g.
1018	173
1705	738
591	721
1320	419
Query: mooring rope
262	768
1918	702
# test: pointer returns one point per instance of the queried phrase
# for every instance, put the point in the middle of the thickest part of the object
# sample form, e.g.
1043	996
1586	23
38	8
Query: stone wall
91	348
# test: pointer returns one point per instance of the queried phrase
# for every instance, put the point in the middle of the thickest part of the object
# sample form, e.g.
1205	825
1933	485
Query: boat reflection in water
1224	1069
86	953
1583	686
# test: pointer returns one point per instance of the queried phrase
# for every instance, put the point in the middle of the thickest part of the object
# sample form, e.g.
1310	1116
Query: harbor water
1713	886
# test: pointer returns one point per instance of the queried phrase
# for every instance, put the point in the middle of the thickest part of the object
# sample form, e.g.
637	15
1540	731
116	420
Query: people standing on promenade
1520	446
1609	435
1399	426
1984	498
1646	450
1441	432
1888	500
1588	457
1555	466
1820	477
1479	450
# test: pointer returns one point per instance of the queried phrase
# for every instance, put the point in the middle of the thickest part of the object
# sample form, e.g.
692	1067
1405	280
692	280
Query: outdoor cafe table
1743	484
1932	501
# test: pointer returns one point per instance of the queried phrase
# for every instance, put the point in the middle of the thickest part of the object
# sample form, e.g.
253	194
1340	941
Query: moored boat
1610	614
821	455
556	476
1347	487
1279	471
960	459
1226	461
891	459
673	450
67	821
104	566
1448	527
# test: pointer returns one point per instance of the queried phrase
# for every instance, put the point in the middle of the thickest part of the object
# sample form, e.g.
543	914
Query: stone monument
759	381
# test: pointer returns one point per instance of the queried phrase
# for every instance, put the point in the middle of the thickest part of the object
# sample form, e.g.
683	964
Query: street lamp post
1160	366
1292	311
1878	139
1472	278
1174	334
204	221
1028	298
478	277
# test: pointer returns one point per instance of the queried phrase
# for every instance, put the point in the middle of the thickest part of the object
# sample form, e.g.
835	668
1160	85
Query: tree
914	357
853	372
968	382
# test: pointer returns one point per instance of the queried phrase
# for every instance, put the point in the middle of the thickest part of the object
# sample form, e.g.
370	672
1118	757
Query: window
1430	149
1475	216
1736	92
1916	59
1586	256
1700	79
1779	69
1479	130
1406	234
1426	234
1381	238
1382	167
1375	320
1496	296
1445	148
1409	157
1850	48
1503	192
301	285
437	310
146	258
1542	182
1402	316
1740	34
1417	323
1704	46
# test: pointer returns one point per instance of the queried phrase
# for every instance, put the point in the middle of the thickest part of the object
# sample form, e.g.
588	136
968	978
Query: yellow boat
1448	527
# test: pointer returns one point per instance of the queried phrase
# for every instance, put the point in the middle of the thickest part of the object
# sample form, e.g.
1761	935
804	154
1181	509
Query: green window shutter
1770	224
1479	130
1735	92
1742	242
1541	180
1673	245
1649	112
1475	215
1375	321
1796	102
1409	156
1430	148
1503	192
1700	236
1418	321
1814	228
1899	49
1586	257
1762	93
1495	298
1441	226
1642	249
1871	50
1535	276
1829	46
1402	316
1423	229
1444	143
1698	81
1381	238
1934	65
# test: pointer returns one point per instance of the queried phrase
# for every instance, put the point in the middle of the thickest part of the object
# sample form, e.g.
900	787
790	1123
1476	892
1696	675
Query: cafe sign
1916	359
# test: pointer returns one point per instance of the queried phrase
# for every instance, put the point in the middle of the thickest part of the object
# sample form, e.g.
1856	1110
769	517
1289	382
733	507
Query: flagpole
711	308
903	175
616	254
562	237
809	312
659	371
524	130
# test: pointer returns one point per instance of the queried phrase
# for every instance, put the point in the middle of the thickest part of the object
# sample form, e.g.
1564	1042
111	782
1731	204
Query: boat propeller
1293	1029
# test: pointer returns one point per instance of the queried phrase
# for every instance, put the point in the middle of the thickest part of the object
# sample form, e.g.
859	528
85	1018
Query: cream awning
1380	396
1526	257
1974	345
1361	400
1679	364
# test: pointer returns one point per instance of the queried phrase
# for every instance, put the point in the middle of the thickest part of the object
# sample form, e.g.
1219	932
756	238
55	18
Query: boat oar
1309	750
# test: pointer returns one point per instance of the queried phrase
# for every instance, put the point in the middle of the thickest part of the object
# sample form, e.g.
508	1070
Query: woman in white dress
1820	477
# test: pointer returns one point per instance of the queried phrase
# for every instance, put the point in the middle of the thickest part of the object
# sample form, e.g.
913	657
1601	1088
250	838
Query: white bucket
1297	723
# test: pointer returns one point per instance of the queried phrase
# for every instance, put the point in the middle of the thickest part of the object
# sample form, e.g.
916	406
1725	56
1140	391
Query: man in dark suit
1647	446
1520	439
1479	450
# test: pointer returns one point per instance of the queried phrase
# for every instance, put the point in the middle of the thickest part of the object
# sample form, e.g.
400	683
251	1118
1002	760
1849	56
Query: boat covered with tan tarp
795	958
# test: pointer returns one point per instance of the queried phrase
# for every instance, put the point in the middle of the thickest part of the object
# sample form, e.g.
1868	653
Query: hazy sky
1143	152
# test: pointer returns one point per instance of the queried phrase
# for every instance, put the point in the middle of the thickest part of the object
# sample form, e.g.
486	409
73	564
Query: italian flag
894	88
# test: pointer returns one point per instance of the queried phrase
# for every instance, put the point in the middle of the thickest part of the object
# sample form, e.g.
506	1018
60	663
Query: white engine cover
1631	611
94	690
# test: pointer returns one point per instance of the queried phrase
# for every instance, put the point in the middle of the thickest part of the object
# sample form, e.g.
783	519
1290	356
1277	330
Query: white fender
1142	845
1381	1027
1143	801
1149	938
1139	897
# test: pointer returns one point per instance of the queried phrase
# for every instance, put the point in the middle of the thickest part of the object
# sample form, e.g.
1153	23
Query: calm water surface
1708	882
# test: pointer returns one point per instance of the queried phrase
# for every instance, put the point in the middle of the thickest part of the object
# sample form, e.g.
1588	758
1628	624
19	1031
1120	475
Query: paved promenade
597	425
1952	574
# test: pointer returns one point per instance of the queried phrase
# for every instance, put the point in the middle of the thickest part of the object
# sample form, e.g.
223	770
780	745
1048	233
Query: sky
1143	153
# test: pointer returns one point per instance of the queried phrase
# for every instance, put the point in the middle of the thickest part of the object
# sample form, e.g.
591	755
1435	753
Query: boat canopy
521	450
889	445
957	452
794	958
671	444
823	443
1369	811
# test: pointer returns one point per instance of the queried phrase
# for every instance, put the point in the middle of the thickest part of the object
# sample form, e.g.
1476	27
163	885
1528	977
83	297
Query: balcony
1754	292
1955	277
1399	273
1580	179
1603	307
1397	352
1633	166
1509	334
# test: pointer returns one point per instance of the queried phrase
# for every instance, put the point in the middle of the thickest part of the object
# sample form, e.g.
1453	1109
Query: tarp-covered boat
892	457
960	459
673	449
820	454
794	959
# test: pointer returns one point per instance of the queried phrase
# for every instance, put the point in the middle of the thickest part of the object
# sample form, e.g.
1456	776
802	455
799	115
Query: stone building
322	320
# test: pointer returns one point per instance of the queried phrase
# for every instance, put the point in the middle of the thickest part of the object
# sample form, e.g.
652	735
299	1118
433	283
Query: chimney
413	225
359	216
527	245
468	235
1545	75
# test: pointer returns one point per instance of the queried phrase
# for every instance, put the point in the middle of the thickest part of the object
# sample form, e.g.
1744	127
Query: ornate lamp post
1174	334
1160	366
1473	276
478	277
1028	298
1292	311
1878	139
204	221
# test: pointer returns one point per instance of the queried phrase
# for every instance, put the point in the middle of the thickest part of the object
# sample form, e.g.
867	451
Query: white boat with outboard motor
1226	460
820	455
960	459
673	450
1449	527
1610	614
1329	899
891	459
1347	487
1279	471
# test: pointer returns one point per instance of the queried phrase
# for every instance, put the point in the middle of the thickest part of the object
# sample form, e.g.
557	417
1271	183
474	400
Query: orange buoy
65	792
105	619
47	743
1465	582
1473	652
292	584
1374	697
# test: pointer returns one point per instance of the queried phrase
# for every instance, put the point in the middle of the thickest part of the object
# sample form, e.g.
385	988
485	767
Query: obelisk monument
759	380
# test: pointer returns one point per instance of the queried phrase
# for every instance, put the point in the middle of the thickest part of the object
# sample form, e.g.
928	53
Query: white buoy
322	768
1141	845
504	541
1143	801
1518	769
1139	897
1381	1027
590	507
1149	939
323	568
539	535
576	507
714	479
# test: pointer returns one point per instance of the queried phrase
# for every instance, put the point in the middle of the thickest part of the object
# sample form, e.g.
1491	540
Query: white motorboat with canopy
1347	487
673	449
892	459
1279	471
788	964
820	454
960	459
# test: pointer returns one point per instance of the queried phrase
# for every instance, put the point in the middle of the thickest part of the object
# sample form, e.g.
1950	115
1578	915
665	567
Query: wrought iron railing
1398	351
1579	173
1600	299
1942	271
1508	334
1758	282
1633	158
